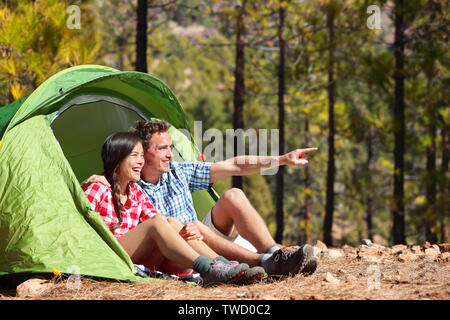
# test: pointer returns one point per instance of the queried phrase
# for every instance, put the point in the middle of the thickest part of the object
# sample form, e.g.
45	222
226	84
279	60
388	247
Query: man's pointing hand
297	157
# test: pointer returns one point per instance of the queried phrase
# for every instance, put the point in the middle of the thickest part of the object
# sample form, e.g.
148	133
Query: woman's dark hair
116	148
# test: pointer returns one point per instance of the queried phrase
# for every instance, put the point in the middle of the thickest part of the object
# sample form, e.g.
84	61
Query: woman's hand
191	232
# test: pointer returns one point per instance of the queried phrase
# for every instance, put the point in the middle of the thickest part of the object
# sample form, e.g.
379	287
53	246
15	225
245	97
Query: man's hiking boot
285	262
221	272
310	266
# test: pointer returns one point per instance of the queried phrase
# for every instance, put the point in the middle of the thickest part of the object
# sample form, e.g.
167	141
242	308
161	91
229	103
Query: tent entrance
82	125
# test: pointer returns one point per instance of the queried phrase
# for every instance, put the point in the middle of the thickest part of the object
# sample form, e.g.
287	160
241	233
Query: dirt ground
344	275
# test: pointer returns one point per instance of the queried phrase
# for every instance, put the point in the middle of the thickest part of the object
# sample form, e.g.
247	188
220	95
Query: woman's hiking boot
252	275
221	272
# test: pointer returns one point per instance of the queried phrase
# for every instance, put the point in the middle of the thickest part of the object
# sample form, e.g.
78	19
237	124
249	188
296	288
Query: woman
147	236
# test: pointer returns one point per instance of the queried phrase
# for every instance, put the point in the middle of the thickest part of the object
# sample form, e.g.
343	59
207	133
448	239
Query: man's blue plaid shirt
172	195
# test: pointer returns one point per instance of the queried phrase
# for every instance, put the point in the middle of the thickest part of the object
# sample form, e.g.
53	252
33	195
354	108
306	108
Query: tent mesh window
96	117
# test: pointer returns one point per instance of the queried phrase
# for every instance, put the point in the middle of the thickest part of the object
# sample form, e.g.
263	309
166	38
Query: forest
366	82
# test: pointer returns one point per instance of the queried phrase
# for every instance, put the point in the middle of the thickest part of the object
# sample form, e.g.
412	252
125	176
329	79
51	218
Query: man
169	185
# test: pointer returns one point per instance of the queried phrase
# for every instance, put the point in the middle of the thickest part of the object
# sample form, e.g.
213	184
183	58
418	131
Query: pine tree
239	80
281	150
141	36
398	206
328	221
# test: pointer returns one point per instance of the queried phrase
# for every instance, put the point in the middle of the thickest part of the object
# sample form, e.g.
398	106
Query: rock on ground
32	288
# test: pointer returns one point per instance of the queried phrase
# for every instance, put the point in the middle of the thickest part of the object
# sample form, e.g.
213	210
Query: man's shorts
233	236
207	220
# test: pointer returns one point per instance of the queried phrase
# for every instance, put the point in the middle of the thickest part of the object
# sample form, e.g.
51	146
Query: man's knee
233	195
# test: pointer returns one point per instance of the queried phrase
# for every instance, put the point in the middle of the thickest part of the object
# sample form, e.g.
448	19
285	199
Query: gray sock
273	248
264	258
202	264
223	259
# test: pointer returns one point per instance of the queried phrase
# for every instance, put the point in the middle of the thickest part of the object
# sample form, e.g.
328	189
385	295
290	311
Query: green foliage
257	189
35	43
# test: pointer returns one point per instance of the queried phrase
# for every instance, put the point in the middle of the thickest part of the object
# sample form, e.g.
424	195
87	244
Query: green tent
50	142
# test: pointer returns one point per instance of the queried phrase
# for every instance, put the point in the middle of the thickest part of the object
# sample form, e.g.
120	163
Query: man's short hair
145	129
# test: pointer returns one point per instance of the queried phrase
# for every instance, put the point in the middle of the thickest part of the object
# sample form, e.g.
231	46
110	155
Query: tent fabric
144	91
47	223
7	112
96	117
50	142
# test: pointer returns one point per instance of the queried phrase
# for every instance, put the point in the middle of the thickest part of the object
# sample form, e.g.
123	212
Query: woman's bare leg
157	233
198	245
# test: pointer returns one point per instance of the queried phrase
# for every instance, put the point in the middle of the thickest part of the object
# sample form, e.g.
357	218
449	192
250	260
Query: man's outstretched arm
245	165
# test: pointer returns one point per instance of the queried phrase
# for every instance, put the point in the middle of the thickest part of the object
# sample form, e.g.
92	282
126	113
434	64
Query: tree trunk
141	36
430	224
328	221
11	97
369	192
121	44
369	188
308	190
398	209
239	85
281	90
444	196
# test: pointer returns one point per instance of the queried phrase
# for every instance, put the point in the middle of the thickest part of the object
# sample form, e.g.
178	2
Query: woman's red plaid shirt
135	210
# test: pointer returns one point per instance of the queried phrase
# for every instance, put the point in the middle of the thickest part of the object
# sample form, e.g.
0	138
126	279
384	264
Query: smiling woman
122	156
132	165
